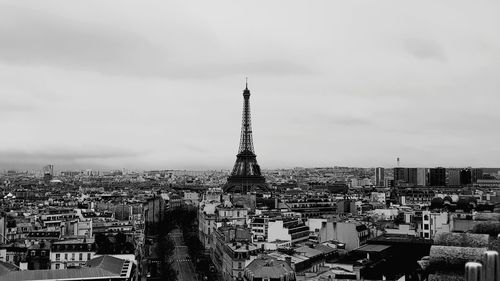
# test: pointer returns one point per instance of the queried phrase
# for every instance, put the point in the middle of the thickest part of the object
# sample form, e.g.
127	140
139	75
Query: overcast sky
158	84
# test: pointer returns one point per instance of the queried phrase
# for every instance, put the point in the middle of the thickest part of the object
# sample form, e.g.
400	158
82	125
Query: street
181	260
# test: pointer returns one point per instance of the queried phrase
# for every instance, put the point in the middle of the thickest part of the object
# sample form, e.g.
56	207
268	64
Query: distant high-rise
422	177
400	176
477	174
453	177
48	173
379	176
412	176
465	176
437	176
48	170
405	176
246	175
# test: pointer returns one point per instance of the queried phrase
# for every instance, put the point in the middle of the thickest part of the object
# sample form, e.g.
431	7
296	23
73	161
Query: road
181	260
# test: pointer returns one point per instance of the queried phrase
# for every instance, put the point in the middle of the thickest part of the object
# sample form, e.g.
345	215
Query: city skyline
338	84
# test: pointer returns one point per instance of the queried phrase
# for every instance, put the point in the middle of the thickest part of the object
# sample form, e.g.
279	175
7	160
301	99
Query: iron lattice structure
246	175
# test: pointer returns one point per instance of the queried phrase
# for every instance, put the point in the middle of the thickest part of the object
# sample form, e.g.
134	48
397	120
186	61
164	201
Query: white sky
158	84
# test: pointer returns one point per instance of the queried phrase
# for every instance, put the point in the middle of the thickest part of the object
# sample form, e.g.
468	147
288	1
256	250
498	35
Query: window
426	235
426	226
65	256
80	256
58	257
239	265
57	266
42	253
32	253
88	256
72	256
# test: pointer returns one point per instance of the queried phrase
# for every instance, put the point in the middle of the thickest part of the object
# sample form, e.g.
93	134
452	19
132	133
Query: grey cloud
36	38
425	49
66	154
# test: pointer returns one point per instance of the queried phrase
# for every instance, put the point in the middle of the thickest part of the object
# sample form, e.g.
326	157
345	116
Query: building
379	176
246	174
453	177
38	256
236	257
154	211
102	268
437	176
232	250
291	230
400	176
71	253
477	174
430	223
466	176
412	176
422	177
268	268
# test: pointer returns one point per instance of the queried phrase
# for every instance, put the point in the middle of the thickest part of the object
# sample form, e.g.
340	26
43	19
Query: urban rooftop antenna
398	161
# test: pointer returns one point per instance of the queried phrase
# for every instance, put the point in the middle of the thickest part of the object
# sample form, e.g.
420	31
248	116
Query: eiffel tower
246	175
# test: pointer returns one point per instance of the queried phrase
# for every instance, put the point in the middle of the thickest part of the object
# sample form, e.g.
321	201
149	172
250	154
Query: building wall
421	177
276	231
69	259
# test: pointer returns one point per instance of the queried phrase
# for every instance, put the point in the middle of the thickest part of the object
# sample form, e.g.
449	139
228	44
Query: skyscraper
437	176
422	177
453	177
379	176
400	176
477	174
246	175
412	176
465	176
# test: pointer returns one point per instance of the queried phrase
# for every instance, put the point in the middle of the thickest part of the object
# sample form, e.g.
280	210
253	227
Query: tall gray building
453	177
379	176
422	177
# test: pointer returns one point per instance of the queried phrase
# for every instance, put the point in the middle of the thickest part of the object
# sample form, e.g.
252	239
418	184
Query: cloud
157	84
29	37
425	49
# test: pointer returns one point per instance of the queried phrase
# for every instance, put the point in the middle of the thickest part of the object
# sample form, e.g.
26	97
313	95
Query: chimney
473	271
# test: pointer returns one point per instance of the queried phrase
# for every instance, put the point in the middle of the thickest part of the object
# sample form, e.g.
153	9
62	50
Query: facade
352	234
453	177
437	176
292	230
477	174
71	253
379	176
422	177
465	177
268	268
153	213
433	223
400	176
38	256
101	268
236	257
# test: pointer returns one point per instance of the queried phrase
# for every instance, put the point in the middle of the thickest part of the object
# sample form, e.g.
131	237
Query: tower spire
246	174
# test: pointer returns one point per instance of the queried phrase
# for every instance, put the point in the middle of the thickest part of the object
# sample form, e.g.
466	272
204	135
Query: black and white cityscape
128	150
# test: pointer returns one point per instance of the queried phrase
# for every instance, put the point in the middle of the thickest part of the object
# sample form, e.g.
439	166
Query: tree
488	227
102	243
